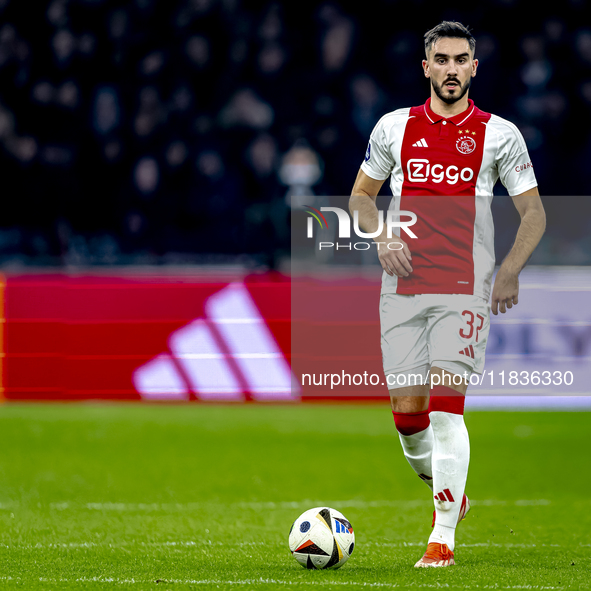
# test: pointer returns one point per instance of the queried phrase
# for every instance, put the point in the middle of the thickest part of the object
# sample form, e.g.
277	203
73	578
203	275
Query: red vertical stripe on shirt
440	187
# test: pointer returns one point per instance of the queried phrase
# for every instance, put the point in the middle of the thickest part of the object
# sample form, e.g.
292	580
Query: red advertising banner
146	337
262	337
335	343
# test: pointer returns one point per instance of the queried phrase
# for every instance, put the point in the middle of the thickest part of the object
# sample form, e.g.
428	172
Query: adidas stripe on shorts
419	330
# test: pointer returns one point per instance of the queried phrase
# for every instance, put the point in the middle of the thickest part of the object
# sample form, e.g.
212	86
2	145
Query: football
321	538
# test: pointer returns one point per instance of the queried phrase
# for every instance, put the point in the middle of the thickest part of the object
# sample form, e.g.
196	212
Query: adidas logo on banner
229	353
421	144
468	351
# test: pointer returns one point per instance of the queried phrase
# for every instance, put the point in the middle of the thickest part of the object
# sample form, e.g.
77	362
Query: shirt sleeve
378	163
514	164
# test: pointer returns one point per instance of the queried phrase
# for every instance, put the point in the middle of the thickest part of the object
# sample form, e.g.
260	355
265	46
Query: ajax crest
466	144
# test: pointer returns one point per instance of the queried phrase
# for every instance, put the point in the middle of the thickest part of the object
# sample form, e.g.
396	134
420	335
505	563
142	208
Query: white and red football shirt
444	171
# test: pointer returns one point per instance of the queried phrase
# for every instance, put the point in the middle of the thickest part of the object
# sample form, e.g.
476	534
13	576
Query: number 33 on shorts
467	334
459	326
426	329
475	333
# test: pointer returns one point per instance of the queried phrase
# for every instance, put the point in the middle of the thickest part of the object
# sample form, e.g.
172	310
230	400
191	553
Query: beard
450	99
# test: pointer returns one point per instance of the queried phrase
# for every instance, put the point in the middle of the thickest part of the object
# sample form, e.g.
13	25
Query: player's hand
395	260
505	291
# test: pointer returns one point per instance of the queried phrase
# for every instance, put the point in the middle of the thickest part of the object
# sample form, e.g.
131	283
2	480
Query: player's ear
426	68
474	67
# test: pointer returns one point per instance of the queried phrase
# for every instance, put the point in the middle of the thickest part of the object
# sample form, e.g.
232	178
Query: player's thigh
455	377
458	332
405	354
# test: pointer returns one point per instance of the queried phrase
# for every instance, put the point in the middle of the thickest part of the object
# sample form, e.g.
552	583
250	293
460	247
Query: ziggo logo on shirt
421	171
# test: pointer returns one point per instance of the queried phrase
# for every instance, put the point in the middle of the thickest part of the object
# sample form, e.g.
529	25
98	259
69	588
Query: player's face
450	67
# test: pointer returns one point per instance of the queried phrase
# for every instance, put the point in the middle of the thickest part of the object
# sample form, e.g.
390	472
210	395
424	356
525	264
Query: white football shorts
424	330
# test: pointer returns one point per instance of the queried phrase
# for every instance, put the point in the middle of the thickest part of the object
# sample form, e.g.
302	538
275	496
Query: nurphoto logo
393	220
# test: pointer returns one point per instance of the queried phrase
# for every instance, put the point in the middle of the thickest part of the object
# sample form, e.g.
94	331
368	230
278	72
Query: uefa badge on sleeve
368	152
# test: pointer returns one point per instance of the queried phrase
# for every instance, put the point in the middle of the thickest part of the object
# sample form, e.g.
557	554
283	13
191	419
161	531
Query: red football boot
436	555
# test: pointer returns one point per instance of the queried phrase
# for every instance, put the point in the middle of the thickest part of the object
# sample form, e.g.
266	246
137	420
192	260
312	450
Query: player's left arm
533	223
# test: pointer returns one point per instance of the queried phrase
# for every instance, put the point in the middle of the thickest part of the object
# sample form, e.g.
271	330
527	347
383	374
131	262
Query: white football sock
450	460
417	450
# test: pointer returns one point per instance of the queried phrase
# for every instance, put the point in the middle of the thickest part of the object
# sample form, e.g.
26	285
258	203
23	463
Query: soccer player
443	159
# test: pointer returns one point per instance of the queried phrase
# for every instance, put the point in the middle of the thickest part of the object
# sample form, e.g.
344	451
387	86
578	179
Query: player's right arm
363	200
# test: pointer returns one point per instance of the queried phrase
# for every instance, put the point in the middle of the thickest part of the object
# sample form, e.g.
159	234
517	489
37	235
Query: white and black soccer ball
321	538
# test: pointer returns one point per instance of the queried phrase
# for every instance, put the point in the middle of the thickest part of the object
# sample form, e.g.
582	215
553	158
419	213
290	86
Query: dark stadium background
154	132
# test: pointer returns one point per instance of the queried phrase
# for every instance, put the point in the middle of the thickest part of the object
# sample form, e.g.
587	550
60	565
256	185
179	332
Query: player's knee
410	402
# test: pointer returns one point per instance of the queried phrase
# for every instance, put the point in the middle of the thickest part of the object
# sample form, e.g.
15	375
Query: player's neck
440	108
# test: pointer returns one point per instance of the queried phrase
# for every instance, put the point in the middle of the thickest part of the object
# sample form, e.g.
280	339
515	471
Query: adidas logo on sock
445	496
226	355
422	143
468	351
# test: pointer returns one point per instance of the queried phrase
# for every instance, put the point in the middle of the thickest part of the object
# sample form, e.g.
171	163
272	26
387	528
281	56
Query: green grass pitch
202	497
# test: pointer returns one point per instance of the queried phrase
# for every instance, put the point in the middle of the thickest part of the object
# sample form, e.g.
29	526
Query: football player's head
450	63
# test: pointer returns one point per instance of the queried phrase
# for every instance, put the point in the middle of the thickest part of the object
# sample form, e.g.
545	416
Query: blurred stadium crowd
171	132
